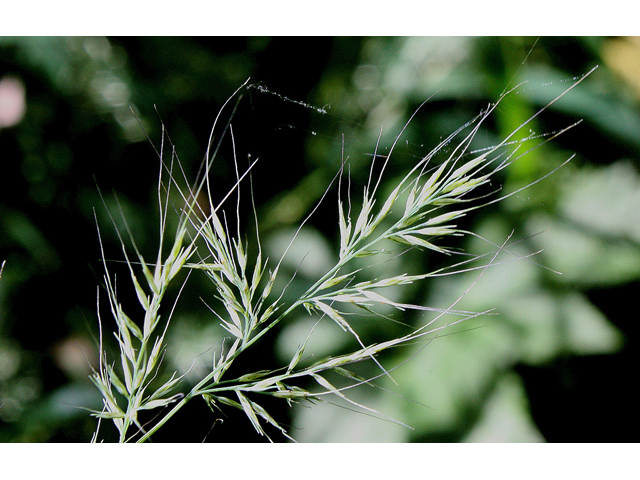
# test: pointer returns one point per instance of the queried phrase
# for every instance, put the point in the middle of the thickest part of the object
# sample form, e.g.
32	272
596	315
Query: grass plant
421	212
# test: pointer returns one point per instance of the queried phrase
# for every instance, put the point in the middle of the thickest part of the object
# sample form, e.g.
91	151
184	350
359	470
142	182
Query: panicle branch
421	211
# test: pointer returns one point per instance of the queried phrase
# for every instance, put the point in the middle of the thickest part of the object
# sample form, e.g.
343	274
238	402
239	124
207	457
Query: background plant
546	345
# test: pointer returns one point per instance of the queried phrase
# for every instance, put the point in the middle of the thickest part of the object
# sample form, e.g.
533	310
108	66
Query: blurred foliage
553	365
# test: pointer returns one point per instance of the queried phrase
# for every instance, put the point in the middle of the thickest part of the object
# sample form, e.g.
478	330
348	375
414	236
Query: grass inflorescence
422	211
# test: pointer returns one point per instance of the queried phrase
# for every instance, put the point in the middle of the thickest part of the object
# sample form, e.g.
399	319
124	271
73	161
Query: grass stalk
421	212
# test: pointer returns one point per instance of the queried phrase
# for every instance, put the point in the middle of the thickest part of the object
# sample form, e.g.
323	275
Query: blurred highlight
13	104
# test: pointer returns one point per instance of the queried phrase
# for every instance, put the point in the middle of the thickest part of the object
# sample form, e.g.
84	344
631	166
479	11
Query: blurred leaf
505	416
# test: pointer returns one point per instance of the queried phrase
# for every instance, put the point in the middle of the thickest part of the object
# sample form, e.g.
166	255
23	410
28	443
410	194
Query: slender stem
166	418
